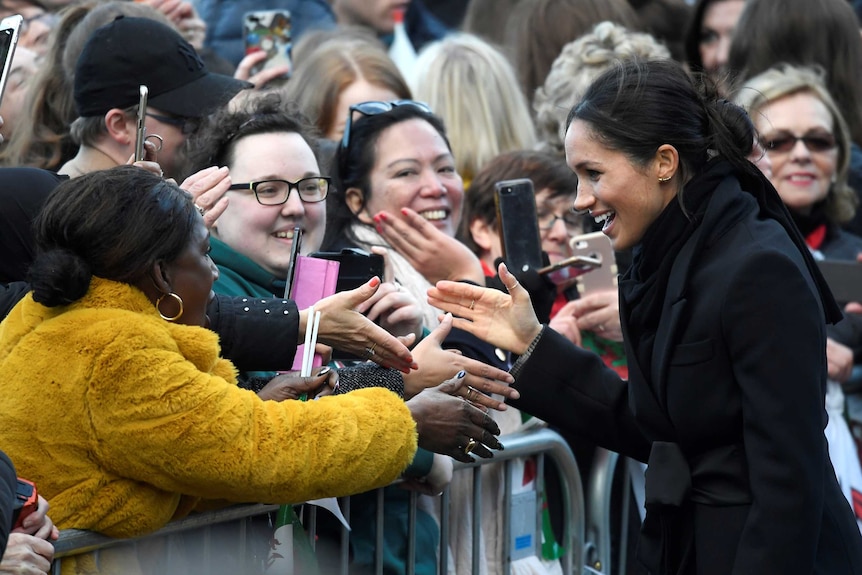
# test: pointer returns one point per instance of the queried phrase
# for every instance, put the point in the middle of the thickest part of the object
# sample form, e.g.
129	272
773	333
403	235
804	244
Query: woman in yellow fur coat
118	405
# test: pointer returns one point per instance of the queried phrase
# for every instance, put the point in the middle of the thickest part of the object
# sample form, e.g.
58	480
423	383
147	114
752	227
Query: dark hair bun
59	277
733	120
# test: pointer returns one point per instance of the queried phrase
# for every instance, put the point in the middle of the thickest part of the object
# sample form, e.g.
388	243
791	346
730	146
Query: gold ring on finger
471	445
472	304
472	393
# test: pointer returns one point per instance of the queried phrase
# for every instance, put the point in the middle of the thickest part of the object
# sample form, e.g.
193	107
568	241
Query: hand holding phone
518	225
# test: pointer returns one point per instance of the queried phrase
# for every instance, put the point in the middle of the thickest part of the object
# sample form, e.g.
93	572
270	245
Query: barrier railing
609	472
536	443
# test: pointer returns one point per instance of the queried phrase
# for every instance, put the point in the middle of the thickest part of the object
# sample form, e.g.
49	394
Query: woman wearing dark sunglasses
808	143
807	140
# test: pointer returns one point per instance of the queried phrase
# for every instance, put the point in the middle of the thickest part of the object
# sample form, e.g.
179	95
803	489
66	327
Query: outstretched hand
452	426
437	364
503	320
344	328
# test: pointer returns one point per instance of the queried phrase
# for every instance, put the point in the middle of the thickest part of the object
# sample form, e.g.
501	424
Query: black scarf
643	287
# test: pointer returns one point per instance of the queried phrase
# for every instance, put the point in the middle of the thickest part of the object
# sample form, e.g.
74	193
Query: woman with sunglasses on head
723	312
396	178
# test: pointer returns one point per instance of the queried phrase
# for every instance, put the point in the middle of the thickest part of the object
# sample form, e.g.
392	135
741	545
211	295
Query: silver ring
369	351
201	210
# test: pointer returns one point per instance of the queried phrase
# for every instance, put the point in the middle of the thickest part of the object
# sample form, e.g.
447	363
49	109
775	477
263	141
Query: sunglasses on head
374	108
783	142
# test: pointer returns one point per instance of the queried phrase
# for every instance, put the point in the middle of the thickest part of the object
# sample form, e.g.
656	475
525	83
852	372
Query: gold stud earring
663	180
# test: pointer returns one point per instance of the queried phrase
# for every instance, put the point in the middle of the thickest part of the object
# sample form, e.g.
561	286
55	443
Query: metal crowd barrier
539	443
609	470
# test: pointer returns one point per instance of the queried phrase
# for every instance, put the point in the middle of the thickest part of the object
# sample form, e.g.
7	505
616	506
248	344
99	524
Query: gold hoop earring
176	298
663	180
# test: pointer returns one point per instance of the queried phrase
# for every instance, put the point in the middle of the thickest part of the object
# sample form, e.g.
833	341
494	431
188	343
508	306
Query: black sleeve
10	294
848	332
256	334
8	482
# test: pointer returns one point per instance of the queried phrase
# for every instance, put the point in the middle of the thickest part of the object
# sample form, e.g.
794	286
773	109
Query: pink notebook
313	280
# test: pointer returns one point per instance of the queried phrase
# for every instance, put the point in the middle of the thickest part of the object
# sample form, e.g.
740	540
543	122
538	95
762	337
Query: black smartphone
140	127
9	29
598	246
518	225
356	267
844	279
291	266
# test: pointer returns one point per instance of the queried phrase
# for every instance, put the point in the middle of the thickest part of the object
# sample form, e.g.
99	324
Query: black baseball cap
128	52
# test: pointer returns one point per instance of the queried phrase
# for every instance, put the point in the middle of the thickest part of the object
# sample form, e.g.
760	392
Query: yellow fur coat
126	421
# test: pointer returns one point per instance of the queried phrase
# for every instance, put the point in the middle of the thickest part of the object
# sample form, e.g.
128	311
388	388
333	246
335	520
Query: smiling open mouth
605	219
435	215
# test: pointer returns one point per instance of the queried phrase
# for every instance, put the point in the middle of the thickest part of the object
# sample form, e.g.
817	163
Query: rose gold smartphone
597	246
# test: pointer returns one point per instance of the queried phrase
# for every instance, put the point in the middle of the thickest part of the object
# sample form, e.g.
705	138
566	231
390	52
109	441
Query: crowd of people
147	340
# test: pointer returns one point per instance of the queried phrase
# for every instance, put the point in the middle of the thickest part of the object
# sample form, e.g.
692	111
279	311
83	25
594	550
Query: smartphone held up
268	31
9	30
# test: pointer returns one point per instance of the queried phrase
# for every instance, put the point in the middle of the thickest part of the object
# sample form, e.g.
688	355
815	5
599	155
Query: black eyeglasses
783	142
572	221
372	109
275	192
186	125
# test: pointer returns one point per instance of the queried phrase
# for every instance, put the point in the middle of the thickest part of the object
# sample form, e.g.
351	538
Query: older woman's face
798	134
191	277
265	233
414	169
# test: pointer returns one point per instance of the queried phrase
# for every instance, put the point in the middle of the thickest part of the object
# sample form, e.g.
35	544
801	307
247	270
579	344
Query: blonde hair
785	80
579	63
472	86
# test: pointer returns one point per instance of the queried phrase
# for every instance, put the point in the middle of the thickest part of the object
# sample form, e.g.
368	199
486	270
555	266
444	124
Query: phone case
518	224
313	280
268	30
356	266
596	245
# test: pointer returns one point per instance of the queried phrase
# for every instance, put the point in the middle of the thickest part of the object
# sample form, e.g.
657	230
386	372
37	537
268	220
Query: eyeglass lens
571	221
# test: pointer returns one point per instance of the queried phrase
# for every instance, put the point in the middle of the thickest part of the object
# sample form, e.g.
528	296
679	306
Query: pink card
313	280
